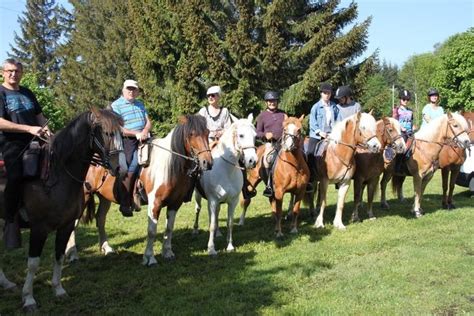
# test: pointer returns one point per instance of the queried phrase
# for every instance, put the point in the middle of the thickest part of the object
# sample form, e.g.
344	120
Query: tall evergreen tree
41	33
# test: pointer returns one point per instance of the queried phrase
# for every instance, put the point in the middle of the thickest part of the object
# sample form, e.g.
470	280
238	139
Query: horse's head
106	140
244	141
195	134
292	129
366	132
392	134
458	130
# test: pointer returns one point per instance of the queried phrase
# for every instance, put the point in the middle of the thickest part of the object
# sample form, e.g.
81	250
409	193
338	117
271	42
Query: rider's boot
125	199
268	192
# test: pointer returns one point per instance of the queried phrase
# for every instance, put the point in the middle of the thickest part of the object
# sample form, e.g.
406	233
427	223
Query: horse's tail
397	182
89	214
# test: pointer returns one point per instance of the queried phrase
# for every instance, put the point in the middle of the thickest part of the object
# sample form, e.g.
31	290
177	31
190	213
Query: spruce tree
41	33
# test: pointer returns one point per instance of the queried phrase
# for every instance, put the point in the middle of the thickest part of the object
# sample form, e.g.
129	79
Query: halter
391	139
455	138
295	139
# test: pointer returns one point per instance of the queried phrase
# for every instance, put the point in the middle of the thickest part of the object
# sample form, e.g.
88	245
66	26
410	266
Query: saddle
321	148
36	161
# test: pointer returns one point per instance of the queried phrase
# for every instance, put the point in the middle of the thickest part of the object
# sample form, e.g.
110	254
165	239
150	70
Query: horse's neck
433	133
343	151
381	133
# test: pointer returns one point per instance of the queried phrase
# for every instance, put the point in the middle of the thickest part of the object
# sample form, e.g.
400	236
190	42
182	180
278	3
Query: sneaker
126	211
12	236
268	192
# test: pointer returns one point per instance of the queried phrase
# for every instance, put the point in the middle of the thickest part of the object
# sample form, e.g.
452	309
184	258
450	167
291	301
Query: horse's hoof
340	226
294	231
445	206
106	249
279	235
212	252
149	261
384	205
230	248
169	256
318	225
9	286
355	219
30	308
418	214
240	223
61	294
451	206
195	231
218	233
372	218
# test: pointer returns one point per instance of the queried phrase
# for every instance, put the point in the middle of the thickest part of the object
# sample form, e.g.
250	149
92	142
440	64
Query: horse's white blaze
289	142
399	145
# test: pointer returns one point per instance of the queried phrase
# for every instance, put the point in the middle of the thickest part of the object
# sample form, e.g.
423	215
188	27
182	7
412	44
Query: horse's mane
292	120
72	136
396	124
189	124
229	133
431	130
340	127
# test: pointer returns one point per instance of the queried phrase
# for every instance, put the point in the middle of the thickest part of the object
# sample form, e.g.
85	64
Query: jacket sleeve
260	131
313	124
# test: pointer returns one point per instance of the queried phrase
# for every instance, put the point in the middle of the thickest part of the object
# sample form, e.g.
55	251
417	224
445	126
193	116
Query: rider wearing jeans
136	128
21	119
269	130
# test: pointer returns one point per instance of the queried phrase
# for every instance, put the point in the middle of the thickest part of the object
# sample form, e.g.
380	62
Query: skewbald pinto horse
426	148
55	203
337	165
175	163
223	183
369	166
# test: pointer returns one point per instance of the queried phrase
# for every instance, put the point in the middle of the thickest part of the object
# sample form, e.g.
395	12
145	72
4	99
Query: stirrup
309	188
268	192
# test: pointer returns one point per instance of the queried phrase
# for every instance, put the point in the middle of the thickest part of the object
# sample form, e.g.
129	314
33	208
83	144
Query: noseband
295	139
455	139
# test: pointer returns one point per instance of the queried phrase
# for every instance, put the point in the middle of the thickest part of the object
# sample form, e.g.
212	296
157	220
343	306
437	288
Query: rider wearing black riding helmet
269	130
347	106
431	110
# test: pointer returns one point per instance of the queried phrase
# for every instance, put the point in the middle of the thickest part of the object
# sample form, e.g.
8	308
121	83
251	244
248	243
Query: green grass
394	265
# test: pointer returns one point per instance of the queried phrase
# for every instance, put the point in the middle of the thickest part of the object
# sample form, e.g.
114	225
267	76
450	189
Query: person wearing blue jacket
321	120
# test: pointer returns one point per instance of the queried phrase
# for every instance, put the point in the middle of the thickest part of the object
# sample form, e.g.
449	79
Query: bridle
240	151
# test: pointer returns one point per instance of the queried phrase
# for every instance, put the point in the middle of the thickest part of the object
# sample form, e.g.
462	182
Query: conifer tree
41	33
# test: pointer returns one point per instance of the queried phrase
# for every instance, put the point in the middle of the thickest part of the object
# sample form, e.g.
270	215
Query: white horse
223	183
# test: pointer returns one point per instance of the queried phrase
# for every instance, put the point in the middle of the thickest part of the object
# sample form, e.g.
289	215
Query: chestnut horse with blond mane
369	166
450	128
337	165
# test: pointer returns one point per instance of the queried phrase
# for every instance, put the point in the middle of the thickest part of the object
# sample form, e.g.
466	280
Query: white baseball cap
130	83
214	90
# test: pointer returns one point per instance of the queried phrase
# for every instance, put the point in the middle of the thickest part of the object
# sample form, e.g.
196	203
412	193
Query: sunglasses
212	95
132	88
406	100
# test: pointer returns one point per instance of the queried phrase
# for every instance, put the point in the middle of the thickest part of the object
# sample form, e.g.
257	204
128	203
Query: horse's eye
241	135
390	130
456	125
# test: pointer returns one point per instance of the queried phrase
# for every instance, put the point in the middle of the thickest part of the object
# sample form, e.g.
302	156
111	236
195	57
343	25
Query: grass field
393	265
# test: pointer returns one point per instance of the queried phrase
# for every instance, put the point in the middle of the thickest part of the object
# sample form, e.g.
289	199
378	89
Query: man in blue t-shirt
136	128
21	119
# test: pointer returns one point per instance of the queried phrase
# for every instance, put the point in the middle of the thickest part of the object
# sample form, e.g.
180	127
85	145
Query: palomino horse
451	159
223	183
55	203
426	148
369	166
337	165
175	161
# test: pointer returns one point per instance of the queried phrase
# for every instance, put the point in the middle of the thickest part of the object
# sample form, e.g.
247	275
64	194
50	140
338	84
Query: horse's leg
417	185
291	205
62	237
167	251
383	189
197	211
400	195
424	183
341	197
5	283
452	182
296	211
357	197
149	255
277	210
230	222
371	188
323	188
38	236
444	179
212	206
253	180
100	218
71	248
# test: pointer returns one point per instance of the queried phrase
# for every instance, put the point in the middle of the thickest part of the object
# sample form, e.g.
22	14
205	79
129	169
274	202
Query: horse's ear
449	115
182	120
250	118
371	111
301	118
359	114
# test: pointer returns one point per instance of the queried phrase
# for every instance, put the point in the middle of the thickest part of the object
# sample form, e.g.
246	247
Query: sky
399	29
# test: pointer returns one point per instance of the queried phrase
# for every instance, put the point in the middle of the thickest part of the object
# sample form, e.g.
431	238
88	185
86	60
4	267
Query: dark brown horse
55	203
451	159
369	166
426	149
175	162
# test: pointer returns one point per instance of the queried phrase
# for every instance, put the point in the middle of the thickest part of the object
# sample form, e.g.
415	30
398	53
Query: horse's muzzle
205	165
